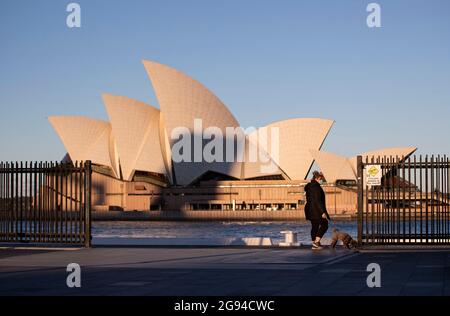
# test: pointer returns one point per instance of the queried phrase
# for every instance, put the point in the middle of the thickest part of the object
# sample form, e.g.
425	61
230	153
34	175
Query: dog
346	239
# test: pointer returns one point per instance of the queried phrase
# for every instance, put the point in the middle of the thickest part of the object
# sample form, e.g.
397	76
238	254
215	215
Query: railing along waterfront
410	206
45	202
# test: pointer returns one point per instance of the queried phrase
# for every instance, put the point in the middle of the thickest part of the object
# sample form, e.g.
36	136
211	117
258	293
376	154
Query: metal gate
45	203
411	204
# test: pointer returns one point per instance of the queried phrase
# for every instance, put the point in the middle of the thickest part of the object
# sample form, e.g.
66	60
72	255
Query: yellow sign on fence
373	175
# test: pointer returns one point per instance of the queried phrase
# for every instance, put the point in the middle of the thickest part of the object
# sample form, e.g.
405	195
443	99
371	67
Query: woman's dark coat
315	201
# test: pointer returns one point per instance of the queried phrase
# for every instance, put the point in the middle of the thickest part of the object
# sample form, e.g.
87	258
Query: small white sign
373	175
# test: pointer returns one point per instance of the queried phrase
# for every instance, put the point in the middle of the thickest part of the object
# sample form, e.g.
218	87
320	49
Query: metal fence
410	206
45	202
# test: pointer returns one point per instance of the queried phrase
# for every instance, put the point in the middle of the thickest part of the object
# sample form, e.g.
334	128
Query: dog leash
333	224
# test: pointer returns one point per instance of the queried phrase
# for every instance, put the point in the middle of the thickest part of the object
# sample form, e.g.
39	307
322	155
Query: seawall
210	215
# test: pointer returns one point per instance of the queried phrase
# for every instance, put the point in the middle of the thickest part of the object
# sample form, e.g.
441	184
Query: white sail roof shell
135	126
183	100
334	167
85	139
296	138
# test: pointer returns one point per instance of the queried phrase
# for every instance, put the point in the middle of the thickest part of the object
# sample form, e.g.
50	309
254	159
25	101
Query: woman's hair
317	175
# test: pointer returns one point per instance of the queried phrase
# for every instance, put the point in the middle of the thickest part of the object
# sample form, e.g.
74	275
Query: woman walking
315	209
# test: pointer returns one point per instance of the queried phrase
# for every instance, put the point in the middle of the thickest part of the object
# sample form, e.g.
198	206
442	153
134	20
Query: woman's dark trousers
319	228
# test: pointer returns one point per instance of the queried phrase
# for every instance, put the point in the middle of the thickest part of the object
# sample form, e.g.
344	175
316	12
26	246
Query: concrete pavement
223	271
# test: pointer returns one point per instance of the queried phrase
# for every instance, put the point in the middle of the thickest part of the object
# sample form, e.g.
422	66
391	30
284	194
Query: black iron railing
45	202
411	204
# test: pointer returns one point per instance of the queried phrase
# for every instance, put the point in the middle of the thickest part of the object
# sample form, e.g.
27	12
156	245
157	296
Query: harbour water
156	229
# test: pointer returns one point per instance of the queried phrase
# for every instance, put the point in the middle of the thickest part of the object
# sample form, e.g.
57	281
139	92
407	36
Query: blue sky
266	60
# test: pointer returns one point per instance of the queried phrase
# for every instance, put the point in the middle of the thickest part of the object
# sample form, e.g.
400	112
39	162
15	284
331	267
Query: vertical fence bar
19	200
39	192
55	209
56	204
409	184
7	201
386	199
432	188
392	200
360	202
7	208
29	202
447	199
420	199
9	205
46	202
24	202
389	200
2	220
397	199
443	200
16	201
402	186
87	216
372	217
71	205
427	196
439	198
66	204
12	190
51	185
443	197
57	194
77	204
2	203
415	198
382	200
28	226
81	210
366	209
43	200
377	198
436	200
35	200
10	201
3	208
49	201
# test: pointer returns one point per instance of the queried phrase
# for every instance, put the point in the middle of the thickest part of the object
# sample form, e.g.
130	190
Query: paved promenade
222	271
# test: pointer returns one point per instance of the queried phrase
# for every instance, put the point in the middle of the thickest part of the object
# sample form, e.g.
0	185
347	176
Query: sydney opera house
136	163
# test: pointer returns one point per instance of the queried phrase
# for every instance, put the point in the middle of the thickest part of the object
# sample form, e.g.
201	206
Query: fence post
87	208
360	177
